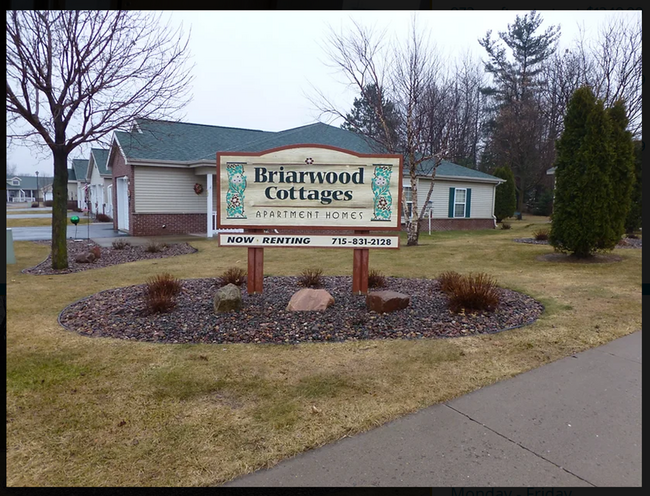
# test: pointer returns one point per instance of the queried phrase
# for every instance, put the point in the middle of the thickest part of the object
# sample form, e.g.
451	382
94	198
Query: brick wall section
119	168
152	224
456	224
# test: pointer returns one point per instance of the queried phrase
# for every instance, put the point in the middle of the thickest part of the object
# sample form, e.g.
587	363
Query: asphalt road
100	230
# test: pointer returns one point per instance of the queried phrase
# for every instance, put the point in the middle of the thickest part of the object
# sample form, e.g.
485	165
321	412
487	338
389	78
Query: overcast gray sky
257	69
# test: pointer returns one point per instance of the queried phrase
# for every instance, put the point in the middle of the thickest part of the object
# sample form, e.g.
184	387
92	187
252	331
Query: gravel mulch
627	242
121	313
109	256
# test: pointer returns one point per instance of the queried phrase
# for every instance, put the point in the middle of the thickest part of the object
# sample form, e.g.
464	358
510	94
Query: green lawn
104	412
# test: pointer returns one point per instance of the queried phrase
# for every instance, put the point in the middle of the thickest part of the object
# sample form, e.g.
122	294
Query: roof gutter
189	164
496	180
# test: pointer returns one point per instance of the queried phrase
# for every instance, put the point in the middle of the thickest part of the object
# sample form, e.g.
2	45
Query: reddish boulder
386	301
309	300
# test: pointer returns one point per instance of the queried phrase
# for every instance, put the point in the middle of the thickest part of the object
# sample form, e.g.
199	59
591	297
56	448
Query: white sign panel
307	241
309	186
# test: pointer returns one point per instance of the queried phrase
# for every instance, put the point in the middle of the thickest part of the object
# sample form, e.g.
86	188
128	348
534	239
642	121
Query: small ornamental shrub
449	281
97	251
631	236
48	203
310	278
103	218
35	205
541	235
505	225
153	247
160	293
118	244
474	293
376	279
233	275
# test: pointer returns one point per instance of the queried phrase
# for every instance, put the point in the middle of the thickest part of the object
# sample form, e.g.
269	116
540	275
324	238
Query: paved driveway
37	215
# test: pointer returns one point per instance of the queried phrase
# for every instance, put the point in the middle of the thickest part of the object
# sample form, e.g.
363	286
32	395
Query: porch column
209	205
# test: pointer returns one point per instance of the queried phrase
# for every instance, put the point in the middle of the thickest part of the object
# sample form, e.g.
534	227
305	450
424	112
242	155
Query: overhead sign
309	186
307	241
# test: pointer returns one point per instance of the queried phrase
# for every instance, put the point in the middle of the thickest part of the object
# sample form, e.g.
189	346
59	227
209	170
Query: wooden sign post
309	188
255	275
360	268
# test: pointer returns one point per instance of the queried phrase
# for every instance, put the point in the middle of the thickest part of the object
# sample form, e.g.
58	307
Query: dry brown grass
472	293
233	275
105	412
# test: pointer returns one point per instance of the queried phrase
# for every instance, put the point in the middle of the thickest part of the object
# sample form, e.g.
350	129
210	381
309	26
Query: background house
461	198
79	171
156	165
26	188
100	184
77	182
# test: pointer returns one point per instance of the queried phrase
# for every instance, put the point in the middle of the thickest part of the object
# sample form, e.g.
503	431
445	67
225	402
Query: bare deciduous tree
74	77
615	67
409	74
465	112
12	169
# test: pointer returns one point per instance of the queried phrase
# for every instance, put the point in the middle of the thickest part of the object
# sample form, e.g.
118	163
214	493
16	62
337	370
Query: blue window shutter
468	200
452	196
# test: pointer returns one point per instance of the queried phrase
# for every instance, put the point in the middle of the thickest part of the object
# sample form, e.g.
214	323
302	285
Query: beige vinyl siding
168	190
201	175
481	202
95	178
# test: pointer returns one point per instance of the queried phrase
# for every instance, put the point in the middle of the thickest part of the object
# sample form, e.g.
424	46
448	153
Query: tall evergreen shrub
593	171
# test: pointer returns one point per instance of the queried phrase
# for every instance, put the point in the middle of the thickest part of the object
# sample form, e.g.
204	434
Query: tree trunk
413	232
60	209
520	200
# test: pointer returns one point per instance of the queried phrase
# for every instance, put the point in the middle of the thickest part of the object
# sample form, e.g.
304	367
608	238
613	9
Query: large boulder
309	300
386	301
85	258
227	299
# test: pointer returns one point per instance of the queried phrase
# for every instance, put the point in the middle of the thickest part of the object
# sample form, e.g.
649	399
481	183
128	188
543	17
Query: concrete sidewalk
574	422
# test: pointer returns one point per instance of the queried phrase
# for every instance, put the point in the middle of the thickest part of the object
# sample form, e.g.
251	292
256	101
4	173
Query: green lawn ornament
75	220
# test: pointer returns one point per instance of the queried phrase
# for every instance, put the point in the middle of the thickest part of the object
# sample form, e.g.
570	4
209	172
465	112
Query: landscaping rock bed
121	313
629	242
109	256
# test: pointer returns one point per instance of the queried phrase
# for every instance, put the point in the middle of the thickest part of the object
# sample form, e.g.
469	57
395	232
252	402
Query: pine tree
364	117
516	132
505	201
622	178
633	221
585	218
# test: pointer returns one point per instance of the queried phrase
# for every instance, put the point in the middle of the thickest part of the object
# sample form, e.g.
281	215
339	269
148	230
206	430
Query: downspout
494	218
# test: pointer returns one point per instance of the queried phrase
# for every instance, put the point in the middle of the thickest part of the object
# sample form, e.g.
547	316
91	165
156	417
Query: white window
408	199
460	202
